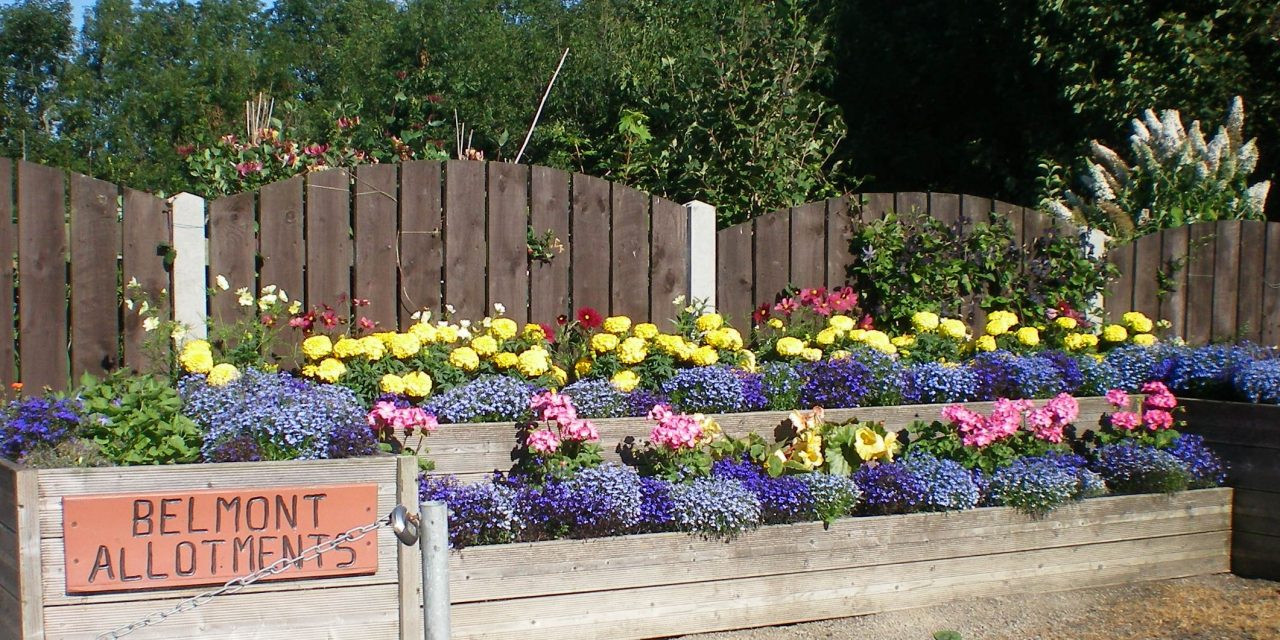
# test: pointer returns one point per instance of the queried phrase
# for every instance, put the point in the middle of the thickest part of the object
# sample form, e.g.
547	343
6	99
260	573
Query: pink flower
1118	398
248	167
1127	420
813	295
1043	424
346	123
1006	417
1157	419
786	306
414	419
660	413
315	150
543	441
676	431
550	405
382	415
1163	401
579	431
1065	409
1155	386
843	299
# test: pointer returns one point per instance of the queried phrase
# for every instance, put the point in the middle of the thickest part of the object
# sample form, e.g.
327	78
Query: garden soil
1218	607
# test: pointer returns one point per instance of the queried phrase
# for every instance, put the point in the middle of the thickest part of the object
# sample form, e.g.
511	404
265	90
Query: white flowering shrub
1173	177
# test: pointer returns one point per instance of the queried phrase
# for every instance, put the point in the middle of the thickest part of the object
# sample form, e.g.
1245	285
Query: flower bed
654	585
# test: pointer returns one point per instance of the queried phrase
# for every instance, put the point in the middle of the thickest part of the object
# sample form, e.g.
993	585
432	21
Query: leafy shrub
137	419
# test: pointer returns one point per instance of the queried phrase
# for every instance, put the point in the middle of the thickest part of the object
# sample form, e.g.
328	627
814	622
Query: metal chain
236	584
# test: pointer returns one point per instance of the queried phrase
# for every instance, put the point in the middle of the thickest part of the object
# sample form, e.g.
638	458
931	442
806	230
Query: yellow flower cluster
415	384
1138	322
1114	333
1080	341
222	374
196	357
930	322
999	322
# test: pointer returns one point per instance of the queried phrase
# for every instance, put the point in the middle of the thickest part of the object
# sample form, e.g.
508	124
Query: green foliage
906	264
72	452
137	419
947	634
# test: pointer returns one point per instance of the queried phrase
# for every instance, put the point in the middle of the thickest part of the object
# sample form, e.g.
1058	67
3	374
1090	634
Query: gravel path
1218	607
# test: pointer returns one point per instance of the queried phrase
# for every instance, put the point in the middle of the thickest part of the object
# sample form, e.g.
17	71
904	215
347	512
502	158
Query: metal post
435	569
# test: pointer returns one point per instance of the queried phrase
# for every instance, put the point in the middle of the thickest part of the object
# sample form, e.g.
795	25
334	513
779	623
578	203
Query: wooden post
407	556
189	284
702	252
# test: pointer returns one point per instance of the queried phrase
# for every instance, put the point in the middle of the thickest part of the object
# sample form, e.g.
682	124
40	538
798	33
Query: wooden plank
8	266
1200	279
911	203
592	259
409	558
1146	264
549	204
674	609
42	267
1014	214
1254	555
1257	512
147	232
508	271
10	549
1118	297
280	236
363	612
1239	423
808	244
9	493
1226	280
329	250
1271	288
421	239
1253	237
1173	263
376	257
841	226
31	562
875	206
232	252
735	283
945	208
630	255
1035	227
772	254
10	615
974	210
95	246
669	259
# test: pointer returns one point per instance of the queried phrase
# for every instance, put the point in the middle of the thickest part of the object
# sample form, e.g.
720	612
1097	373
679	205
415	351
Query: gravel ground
1218	607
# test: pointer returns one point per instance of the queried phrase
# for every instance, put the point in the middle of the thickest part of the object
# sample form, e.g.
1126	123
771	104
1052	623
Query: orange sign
166	540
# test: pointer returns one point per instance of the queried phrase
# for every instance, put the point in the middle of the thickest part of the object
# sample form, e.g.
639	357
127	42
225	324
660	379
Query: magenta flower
248	167
1118	398
1127	420
1157	419
543	441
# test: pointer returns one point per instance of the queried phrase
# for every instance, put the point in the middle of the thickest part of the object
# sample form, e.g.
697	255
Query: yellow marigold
446	334
426	333
533	362
952	328
504	328
668	343
560	375
309	370
372	347
222	375
685	350
391	383
617	324
858	335
1114	333
386	337
1144	339
197	357
748	361
1008	318
417	384
347	348
811	354
484	346
582	367
1028	336
841	323
709	322
604	342
997	327
840	354
903	341
405	345
632	350
985	343
705	356
534	332
464	358
1066	322
625	380
504	360
645	330
775	323
1138	322
316	347
925	321
789	346
826	337
330	370
1079	341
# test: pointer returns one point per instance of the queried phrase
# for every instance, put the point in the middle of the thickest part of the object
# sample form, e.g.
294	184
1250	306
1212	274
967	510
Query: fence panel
328	229
232	250
508	247
42	266
630	252
1173	260
669	258
1271	287
146	233
421	239
280	237
1200	284
841	225
591	256
1226	279
809	245
95	245
8	253
1146	264
772	253
735	275
549	211
465	254
376	251
1253	238
1119	292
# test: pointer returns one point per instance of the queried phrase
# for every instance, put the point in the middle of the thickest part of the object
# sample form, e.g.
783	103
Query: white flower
295	307
179	332
128	304
499	308
133	283
450	308
221	282
464	324
283	296
487	322
143	308
464	333
151	324
266	301
245	297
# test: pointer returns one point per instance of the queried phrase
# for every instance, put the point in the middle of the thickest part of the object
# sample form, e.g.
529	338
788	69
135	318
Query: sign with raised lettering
190	538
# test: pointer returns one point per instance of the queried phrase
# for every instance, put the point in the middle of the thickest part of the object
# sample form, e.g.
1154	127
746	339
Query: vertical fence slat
95	244
464	207
1014	215
375	239
1253	235
840	230
329	250
508	245
772	255
1200	284
911	202
735	296
1118	297
1035	225
590	223
146	234
8	250
875	206
549	203
421	239
280	236
630	252
808	245
42	265
974	211
232	250
669	257
945	207
1173	262
1271	288
1226	279
1146	264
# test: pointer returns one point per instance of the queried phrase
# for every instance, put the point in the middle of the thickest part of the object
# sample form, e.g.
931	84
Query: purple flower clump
889	488
782	500
948	486
1204	466
604	500
30	422
713	389
480	513
1132	467
933	382
834	384
488	398
655	505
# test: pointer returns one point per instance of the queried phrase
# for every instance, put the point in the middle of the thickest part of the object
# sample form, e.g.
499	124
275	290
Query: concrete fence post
702	252
190	287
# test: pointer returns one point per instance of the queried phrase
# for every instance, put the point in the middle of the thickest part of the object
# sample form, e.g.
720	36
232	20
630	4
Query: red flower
548	331
315	150
866	323
562	319
248	167
329	319
813	295
843	299
760	314
303	322
268	320
786	306
589	318
822	307
184	150
366	324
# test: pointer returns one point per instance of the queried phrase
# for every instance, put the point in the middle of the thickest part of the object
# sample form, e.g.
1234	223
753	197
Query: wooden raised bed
35	604
656	585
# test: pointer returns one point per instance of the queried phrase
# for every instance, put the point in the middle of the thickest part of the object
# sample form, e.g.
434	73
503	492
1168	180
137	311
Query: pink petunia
1157	419
1118	398
543	441
1126	420
579	431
